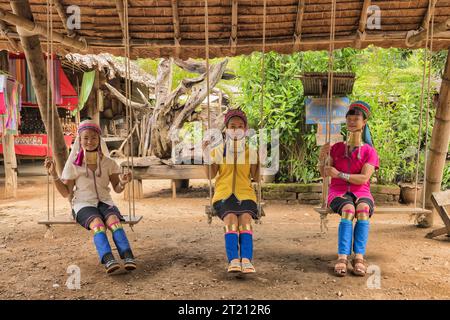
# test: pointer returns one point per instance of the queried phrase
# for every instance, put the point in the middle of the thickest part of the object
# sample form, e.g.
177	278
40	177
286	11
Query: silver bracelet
344	176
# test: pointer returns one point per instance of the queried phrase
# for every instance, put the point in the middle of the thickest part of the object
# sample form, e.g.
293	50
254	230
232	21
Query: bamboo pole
439	146
27	25
36	63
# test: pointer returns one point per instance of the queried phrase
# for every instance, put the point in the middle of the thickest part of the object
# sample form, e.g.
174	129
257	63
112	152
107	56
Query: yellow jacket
233	176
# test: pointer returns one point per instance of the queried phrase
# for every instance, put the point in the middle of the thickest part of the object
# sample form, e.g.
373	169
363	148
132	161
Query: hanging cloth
85	91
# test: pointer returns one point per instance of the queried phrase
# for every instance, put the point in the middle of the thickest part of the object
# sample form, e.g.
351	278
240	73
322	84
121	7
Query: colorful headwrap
235	113
77	153
365	109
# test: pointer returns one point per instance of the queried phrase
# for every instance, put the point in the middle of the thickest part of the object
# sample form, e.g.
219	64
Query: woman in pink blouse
350	166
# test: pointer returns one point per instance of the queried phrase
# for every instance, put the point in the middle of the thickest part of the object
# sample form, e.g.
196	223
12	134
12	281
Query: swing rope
261	109
50	103
330	83
208	104
128	113
427	64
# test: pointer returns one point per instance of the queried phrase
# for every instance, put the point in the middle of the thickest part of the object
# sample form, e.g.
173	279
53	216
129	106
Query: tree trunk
160	143
438	146
37	68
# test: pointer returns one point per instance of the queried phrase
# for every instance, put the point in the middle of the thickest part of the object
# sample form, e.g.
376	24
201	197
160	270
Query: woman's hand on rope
50	165
125	178
331	172
324	152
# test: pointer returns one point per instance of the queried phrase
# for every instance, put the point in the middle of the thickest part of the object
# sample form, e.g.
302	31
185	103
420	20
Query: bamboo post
10	164
36	63
438	146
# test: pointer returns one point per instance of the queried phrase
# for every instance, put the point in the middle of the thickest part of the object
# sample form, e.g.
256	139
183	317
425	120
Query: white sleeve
69	172
113	167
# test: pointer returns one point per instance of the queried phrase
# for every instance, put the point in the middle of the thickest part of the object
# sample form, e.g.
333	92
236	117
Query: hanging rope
208	106
427	63
323	216
128	112
261	109
50	102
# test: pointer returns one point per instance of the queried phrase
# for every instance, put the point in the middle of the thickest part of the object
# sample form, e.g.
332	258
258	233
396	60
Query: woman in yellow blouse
234	199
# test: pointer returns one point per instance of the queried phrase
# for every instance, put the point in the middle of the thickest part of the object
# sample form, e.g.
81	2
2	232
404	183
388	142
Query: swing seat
210	212
131	221
382	210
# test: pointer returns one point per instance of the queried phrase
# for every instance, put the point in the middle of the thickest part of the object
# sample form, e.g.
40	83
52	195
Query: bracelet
344	176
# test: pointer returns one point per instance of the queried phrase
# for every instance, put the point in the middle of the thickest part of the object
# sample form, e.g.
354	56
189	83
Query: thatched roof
174	27
112	67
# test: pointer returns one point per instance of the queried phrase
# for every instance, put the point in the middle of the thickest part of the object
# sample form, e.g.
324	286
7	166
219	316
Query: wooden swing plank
441	201
68	221
382	210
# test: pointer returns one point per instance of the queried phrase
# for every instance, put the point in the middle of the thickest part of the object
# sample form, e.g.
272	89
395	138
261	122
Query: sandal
339	270
361	269
247	267
234	266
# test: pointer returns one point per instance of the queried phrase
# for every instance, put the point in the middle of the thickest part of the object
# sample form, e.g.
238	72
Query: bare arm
214	170
64	187
356	179
364	176
119	181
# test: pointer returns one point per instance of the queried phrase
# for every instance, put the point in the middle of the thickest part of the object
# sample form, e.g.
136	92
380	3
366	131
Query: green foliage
446	178
390	80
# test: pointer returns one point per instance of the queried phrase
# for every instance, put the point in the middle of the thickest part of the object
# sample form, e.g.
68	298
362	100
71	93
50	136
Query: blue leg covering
101	241
120	238
361	236
231	245
345	233
246	245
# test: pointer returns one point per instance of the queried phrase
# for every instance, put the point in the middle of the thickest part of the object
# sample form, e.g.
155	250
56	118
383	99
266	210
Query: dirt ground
180	256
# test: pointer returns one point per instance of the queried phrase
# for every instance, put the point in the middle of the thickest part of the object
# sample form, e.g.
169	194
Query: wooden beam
29	26
176	27
62	14
121	12
439	145
428	14
298	24
234	25
415	37
37	68
360	33
4	30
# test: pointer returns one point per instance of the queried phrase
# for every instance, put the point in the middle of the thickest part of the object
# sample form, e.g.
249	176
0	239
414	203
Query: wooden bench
441	201
175	172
